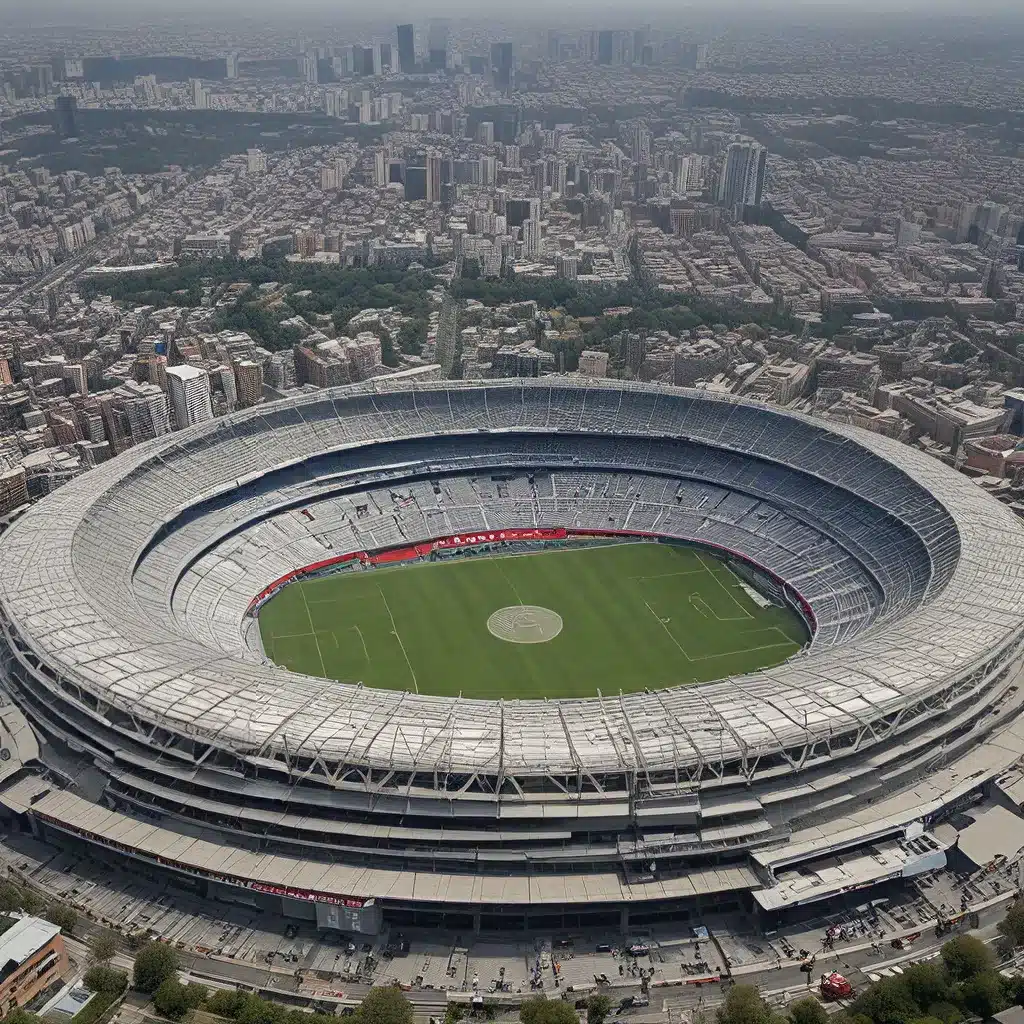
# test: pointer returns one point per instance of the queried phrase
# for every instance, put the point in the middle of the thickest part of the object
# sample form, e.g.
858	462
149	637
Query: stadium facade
168	741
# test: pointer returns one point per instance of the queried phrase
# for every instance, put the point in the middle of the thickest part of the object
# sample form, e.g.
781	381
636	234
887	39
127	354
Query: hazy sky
538	13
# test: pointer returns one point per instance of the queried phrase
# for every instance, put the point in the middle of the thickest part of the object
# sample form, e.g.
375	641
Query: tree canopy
965	956
384	1005
547	1011
154	964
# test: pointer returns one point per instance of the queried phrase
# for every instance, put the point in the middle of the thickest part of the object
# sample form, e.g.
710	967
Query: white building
255	161
188	388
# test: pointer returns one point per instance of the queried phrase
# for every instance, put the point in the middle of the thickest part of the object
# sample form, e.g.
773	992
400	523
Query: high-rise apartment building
231	65
742	179
248	383
531	238
255	161
200	97
406	49
310	67
188	388
434	163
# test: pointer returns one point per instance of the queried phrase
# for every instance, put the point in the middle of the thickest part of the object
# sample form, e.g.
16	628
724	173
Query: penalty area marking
524	624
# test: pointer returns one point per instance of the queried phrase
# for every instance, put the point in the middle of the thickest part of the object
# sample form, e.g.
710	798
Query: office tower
67	116
485	133
248	383
604	47
502	60
386	56
437	45
199	96
231	65
406	49
188	388
742	179
434	162
639	45
415	183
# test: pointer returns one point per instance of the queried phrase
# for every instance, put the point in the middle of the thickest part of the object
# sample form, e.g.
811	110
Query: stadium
602	654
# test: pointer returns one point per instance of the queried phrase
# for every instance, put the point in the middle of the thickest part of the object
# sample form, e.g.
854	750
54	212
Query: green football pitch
563	622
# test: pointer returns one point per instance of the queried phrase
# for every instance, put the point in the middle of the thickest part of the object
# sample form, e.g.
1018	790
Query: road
780	985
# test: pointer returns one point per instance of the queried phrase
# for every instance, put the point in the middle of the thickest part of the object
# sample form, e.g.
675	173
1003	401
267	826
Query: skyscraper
231	65
310	67
604	47
502	59
67	121
188	388
437	45
433	177
200	97
406	49
742	179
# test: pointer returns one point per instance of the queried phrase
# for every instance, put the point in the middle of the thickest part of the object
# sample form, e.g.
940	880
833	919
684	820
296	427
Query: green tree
887	1002
743	1005
965	956
20	1016
226	1002
10	897
598	1008
808	1011
107	980
927	983
260	1011
1012	925
102	948
64	917
154	964
173	1000
547	1011
384	1005
983	994
946	1012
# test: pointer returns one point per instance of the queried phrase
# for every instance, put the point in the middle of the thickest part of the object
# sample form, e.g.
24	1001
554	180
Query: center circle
525	624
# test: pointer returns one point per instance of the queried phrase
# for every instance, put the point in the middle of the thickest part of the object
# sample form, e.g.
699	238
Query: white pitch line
744	650
671	635
728	593
363	641
398	637
309	615
665	575
508	582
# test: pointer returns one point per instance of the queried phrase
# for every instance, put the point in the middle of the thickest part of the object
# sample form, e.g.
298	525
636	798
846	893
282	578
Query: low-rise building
32	957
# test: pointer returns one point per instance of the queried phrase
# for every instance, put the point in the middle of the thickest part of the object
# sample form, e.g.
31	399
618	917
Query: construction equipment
835	986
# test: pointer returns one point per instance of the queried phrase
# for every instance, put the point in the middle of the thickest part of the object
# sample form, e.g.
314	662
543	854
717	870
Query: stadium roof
68	585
